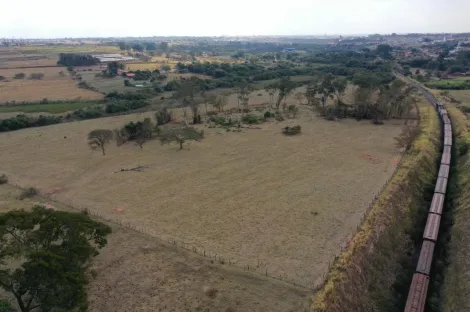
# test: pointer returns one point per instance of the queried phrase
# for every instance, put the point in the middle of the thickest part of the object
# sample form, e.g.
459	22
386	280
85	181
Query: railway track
417	294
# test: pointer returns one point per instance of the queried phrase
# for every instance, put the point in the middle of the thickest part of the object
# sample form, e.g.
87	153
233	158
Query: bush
268	115
291	130
88	113
163	116
279	117
127	83
124	106
463	147
2	78
197	119
36	76
252	119
221	121
29	192
5	306
19	76
3	179
23	121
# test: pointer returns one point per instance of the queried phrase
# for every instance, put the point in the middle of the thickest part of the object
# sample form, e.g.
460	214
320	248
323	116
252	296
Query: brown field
282	204
139	273
52	86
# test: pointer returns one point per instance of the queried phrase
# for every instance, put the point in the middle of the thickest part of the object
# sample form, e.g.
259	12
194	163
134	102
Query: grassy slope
361	280
457	275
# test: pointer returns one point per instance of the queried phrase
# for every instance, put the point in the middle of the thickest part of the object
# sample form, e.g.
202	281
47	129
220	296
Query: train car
441	186
432	227
417	294
446	149
447	127
437	204
444	171
445	159
425	258
447	140
446	120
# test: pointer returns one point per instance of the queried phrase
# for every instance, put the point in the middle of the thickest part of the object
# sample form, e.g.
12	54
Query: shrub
88	113
19	76
5	306
197	119
268	114
127	83
124	106
252	119
3	179
36	76
291	130
463	147
2	78
85	85
464	109
279	117
221	121
163	116
29	192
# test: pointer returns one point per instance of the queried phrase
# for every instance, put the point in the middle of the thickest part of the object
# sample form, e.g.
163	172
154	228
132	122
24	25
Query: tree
144	132
285	86
165	68
222	101
99	138
123	45
299	96
164	46
138	47
36	76
292	111
180	135
243	90
187	94
53	249
210	99
271	89
417	72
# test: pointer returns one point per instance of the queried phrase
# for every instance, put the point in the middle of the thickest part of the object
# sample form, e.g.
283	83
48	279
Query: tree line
74	59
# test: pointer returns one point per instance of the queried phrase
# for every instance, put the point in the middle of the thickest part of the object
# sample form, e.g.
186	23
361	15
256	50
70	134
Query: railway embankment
373	273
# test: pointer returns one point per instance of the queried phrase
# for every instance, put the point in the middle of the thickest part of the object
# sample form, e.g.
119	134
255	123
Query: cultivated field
258	198
461	95
53	86
142	274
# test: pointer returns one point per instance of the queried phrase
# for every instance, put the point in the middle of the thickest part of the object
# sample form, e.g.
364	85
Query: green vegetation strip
373	273
44	108
457	278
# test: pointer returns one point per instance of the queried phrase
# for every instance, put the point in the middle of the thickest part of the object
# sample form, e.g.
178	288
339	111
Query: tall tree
100	138
53	249
243	90
271	89
285	86
187	94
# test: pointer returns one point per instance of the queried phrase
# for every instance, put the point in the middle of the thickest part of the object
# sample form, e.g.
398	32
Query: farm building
105	58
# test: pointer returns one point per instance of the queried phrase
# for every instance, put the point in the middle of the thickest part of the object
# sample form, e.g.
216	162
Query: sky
114	18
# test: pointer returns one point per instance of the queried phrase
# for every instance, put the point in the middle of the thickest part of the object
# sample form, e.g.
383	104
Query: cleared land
141	274
461	95
256	196
53	86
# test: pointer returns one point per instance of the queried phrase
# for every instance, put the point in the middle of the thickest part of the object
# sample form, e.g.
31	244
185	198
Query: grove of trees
74	59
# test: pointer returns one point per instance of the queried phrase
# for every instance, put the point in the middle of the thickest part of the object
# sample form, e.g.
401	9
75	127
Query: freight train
417	294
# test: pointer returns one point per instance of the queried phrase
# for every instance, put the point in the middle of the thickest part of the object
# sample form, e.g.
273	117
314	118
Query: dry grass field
52	86
258	198
138	273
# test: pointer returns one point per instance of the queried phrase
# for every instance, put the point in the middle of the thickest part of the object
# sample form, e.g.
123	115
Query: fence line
214	257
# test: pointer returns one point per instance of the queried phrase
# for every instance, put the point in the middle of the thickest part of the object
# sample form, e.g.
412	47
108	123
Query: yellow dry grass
52	86
256	196
418	160
138	273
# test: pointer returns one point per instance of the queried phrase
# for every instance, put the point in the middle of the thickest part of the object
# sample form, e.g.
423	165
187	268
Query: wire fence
216	258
